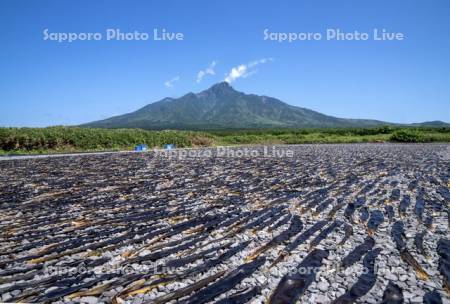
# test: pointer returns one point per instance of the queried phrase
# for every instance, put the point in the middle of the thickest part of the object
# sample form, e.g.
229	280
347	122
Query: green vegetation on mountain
222	107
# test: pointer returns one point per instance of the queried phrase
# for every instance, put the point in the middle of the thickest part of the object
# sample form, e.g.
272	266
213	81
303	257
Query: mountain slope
433	124
222	107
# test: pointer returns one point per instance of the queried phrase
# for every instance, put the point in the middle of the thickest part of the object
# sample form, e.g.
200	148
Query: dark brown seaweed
443	250
358	252
365	281
404	204
292	286
419	208
187	290
389	212
418	242
241	297
323	234
225	284
392	294
348	232
295	227
299	240
432	297
398	235
376	218
363	214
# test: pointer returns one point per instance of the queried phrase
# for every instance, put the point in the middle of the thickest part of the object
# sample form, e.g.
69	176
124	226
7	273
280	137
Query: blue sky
46	83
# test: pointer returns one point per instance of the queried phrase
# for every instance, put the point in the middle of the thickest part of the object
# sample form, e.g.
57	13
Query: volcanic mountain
222	107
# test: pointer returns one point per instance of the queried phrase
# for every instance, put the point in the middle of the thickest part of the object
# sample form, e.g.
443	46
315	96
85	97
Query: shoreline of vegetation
76	139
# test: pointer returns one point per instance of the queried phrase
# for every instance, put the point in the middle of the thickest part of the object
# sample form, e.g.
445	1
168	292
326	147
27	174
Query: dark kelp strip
443	250
334	210
349	211
147	286
432	297
389	212
225	284
356	254
348	232
404	204
392	294
376	218
363	214
323	206
299	240
365	281
283	221
398	234
241	297
419	208
187	290
357	204
428	222
418	242
271	218
295	227
395	194
292	286
182	261
323	234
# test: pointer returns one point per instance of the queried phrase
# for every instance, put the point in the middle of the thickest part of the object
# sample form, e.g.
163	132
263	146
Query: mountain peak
221	86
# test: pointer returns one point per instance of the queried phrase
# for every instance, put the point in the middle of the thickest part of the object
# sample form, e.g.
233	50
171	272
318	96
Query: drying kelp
395	193
283	221
323	234
428	222
241	296
443	250
389	212
295	227
432	297
376	218
418	242
348	232
365	281
358	252
146	286
226	283
398	235
324	205
363	214
143	228
299	240
182	261
419	207
292	286
349	211
393	294
334	210
404	204
188	289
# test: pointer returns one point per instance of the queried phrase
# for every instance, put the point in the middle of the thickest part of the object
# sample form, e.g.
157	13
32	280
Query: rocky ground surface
307	224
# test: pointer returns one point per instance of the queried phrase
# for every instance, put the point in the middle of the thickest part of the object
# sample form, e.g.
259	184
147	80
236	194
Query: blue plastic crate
169	146
141	147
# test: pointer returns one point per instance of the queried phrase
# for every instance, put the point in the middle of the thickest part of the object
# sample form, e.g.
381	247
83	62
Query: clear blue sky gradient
46	83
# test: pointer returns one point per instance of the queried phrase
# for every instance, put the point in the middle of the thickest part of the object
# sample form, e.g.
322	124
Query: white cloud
169	83
245	70
208	71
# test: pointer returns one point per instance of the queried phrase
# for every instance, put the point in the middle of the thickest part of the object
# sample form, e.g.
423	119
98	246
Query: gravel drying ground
307	224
